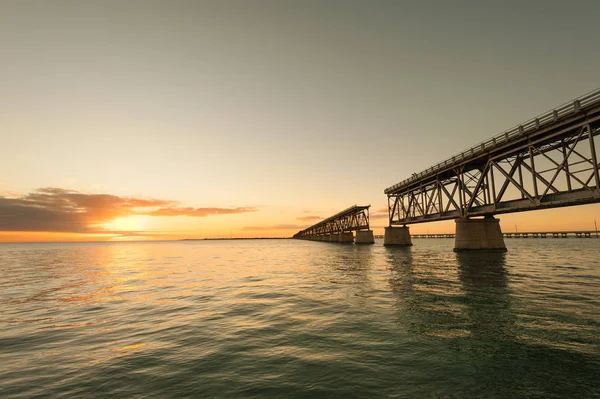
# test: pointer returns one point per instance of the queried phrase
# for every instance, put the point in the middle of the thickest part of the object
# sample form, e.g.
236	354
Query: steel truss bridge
350	219
549	161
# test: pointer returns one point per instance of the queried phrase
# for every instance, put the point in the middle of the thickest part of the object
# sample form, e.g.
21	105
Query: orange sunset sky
146	120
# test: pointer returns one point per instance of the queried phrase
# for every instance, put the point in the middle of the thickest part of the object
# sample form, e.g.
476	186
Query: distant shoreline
236	238
142	241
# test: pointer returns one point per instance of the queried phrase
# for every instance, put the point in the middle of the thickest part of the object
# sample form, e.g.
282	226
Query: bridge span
526	234
340	227
549	161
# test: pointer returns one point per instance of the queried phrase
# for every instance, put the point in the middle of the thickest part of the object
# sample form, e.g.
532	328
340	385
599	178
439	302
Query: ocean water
287	318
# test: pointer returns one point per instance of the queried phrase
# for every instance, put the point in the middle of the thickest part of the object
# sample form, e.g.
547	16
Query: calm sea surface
286	318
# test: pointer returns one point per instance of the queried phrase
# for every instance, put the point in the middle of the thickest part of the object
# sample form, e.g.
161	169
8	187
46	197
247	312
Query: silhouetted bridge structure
534	234
554	234
549	161
340	227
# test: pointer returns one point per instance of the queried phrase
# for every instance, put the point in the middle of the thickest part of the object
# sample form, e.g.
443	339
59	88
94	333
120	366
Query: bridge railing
571	107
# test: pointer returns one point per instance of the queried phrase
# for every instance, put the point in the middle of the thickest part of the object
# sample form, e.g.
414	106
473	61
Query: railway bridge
549	161
339	228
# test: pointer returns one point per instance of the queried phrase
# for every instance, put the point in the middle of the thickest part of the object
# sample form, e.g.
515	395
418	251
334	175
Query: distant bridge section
527	234
548	161
340	227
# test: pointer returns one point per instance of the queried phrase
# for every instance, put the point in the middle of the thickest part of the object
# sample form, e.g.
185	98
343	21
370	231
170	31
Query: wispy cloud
378	216
199	212
309	218
272	227
58	210
380	213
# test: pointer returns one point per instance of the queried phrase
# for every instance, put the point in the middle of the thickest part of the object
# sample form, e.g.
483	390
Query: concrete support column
334	237
346	238
478	234
325	238
365	237
397	236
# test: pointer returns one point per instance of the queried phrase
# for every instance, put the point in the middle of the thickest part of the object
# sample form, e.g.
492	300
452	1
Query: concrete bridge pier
397	236
346	238
364	237
335	237
478	235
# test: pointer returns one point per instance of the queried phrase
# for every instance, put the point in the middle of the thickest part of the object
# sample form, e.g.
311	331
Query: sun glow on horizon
127	223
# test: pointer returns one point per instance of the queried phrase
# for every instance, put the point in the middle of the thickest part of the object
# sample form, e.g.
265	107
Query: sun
127	223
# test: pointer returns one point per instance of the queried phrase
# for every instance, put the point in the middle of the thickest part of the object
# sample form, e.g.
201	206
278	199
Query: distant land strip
236	238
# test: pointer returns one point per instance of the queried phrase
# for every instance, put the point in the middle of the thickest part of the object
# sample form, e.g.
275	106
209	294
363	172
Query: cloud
381	213
379	227
273	227
309	218
379	216
199	212
58	210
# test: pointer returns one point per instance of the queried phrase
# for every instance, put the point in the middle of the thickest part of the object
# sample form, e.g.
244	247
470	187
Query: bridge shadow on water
348	267
451	295
462	305
484	281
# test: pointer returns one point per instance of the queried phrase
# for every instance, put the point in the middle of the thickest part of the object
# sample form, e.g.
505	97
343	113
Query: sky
193	119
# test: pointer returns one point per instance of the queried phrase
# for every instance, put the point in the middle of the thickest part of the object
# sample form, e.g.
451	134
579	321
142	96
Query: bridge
553	234
340	227
526	234
549	161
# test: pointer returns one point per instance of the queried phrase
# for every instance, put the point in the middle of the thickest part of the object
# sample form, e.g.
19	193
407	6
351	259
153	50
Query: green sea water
297	319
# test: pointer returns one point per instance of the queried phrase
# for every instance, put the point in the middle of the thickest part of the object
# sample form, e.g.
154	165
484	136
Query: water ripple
284	318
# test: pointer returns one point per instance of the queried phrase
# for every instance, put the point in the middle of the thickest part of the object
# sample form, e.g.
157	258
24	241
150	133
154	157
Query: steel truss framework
545	166
350	219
